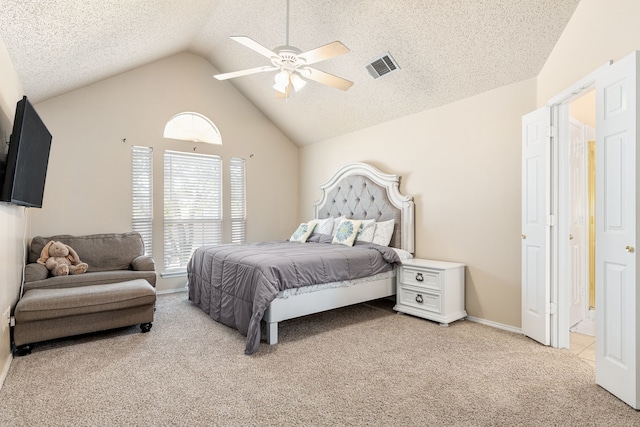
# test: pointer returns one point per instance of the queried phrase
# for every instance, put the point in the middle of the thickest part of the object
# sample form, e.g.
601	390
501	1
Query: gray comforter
235	284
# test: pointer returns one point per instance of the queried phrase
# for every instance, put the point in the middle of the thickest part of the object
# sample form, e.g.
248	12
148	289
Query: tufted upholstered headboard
360	191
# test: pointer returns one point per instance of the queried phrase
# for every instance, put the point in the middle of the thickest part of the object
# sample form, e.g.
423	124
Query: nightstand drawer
422	278
422	300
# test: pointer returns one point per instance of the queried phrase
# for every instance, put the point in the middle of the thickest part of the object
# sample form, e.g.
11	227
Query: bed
285	282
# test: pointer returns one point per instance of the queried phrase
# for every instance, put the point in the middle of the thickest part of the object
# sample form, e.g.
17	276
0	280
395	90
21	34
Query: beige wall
88	187
461	162
13	219
599	31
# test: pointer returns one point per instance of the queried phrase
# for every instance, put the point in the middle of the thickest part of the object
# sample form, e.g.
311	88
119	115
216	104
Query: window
192	205
192	127
142	194
238	215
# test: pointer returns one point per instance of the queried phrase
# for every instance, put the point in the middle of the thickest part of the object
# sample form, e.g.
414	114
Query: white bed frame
396	205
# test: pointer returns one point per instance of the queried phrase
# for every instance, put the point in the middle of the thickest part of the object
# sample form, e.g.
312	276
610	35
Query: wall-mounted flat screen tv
27	158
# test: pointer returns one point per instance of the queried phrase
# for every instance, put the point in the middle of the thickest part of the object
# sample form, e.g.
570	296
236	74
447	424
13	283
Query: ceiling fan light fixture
297	82
282	81
280	88
283	77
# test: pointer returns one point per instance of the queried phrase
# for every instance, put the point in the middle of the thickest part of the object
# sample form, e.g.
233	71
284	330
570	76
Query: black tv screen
27	158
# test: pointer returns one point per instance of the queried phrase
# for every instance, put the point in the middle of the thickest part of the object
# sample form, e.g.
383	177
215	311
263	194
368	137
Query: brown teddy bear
61	259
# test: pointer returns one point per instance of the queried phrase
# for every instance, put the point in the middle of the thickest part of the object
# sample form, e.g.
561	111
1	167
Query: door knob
630	249
570	236
523	236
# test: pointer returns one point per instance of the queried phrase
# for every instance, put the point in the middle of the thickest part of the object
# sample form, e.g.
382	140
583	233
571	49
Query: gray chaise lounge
117	290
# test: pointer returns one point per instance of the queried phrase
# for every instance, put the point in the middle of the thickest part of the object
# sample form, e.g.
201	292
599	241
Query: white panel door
577	226
616	293
535	238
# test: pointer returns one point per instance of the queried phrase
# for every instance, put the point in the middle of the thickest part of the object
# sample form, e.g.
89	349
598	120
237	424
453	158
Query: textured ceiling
446	49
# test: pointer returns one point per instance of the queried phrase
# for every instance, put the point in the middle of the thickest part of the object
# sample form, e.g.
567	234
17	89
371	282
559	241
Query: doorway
546	227
579	173
576	201
581	183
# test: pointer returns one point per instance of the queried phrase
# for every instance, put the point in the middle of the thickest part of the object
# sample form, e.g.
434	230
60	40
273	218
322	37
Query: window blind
238	211
142	194
192	205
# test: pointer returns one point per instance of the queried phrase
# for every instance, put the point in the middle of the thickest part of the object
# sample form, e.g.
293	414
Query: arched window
192	127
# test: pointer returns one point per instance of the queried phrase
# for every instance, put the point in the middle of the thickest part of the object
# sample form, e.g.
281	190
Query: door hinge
551	220
551	308
12	321
551	131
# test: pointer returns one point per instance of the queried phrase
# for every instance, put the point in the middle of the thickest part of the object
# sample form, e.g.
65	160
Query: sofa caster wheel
145	327
23	350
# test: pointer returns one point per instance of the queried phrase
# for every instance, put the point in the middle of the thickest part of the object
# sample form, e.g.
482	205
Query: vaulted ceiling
446	49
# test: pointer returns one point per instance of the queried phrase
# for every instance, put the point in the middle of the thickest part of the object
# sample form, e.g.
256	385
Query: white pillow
366	231
384	231
402	254
347	232
323	226
303	232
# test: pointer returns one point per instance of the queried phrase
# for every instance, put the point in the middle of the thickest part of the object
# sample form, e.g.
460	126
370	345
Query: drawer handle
419	277
419	299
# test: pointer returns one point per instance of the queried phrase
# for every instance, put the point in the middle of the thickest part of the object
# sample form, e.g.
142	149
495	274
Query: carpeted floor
361	365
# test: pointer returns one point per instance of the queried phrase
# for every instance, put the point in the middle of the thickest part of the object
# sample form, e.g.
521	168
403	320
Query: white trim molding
5	370
185	288
495	324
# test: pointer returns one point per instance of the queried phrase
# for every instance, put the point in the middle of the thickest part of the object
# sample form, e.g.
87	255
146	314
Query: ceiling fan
292	64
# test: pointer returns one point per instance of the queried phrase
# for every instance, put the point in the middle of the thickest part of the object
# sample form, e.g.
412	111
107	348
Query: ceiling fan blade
254	45
241	73
323	53
325	78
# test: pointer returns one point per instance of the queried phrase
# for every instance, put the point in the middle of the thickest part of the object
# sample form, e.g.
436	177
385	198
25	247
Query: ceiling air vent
382	66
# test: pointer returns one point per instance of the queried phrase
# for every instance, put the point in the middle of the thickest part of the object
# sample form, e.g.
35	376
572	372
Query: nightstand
432	290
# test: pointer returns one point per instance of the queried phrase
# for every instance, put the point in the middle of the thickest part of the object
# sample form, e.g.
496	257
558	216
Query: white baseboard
172	291
495	324
5	370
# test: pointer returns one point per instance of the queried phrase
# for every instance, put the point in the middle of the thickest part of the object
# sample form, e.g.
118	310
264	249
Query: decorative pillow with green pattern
347	232
303	232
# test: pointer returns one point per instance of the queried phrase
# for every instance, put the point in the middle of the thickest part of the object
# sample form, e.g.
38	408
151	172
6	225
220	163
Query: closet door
536	283
578	232
617	319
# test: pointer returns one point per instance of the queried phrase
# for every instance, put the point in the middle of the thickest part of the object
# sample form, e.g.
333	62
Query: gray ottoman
45	314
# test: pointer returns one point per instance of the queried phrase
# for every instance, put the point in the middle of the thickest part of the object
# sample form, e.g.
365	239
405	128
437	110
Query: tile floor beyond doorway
583	346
